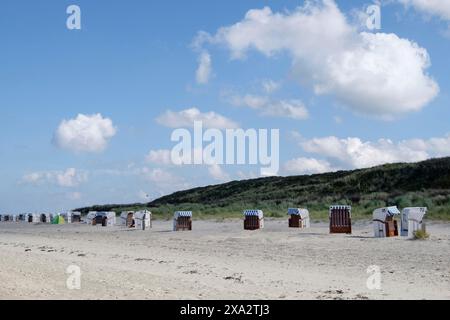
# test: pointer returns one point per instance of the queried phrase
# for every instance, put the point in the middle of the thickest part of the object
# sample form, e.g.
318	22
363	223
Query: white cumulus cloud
243	175
34	177
164	180
161	157
217	173
204	69
270	86
69	178
379	74
85	133
353	152
158	175
439	8
307	166
186	118
294	109
248	100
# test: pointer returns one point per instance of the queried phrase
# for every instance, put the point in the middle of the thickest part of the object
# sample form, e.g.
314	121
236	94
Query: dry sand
219	260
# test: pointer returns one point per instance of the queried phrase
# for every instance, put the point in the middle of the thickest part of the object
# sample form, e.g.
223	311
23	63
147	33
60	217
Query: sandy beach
219	260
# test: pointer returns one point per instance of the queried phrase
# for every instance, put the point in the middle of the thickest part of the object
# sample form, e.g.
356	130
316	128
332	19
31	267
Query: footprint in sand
235	277
191	272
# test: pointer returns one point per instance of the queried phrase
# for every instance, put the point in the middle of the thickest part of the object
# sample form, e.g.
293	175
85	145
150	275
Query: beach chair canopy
179	214
415	214
303	213
340	207
257	213
91	215
382	214
393	211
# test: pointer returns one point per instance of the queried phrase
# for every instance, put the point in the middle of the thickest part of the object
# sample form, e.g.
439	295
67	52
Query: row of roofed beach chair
50	218
385	223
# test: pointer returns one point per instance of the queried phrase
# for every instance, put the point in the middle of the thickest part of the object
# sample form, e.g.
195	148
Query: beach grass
213	213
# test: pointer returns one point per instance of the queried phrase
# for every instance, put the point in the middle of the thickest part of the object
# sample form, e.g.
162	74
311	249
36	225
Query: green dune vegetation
425	183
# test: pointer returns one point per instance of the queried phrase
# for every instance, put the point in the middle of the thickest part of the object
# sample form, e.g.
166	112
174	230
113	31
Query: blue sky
133	61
